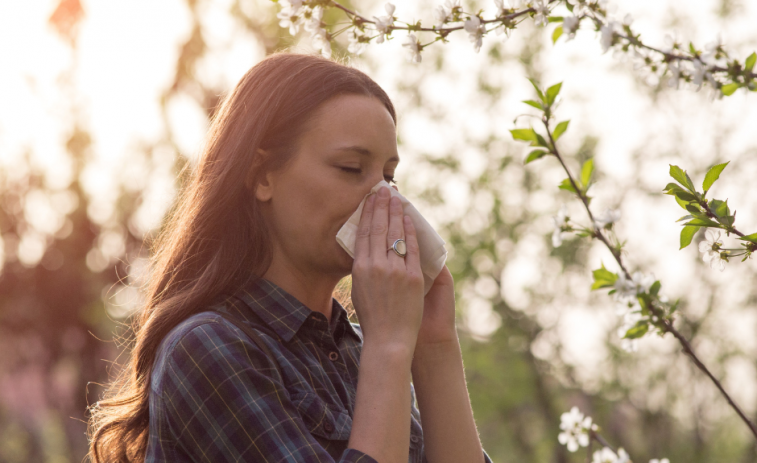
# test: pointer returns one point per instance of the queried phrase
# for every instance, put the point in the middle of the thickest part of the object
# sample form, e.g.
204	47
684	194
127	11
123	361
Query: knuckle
412	246
378	228
364	230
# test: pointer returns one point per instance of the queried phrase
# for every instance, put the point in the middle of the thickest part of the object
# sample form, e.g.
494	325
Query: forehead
352	120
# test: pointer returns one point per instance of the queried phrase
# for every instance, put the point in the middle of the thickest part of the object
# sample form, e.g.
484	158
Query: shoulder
205	342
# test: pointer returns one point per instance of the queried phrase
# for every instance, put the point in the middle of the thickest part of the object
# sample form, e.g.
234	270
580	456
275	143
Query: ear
264	187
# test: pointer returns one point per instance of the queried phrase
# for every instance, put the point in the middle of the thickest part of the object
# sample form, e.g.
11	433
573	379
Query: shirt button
328	427
415	439
333	355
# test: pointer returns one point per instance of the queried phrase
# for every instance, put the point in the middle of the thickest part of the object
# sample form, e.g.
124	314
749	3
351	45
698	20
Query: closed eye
356	170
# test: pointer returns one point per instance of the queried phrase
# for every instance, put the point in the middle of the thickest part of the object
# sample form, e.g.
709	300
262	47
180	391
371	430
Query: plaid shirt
216	397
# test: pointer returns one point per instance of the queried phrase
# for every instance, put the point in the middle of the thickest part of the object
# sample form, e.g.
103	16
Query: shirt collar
282	311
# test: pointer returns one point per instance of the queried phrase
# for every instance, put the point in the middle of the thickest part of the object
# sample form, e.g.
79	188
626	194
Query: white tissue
432	251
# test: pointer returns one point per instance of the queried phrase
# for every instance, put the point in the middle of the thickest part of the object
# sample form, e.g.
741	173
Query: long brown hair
215	239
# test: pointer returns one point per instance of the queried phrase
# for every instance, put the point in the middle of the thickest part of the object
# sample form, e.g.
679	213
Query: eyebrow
364	151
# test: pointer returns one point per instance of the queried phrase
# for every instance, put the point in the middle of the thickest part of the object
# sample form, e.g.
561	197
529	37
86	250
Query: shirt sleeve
225	401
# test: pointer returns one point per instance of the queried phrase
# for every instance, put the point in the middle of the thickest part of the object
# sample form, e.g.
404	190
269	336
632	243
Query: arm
387	292
381	425
449	430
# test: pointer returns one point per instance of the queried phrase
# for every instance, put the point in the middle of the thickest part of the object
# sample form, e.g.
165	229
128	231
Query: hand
438	323
387	290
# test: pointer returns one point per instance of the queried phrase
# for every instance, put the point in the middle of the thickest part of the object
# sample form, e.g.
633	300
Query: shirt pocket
322	419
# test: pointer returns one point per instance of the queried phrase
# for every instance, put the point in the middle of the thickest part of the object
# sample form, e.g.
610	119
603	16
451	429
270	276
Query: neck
312	288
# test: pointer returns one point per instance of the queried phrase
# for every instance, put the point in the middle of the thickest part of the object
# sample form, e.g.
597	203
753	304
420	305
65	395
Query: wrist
432	356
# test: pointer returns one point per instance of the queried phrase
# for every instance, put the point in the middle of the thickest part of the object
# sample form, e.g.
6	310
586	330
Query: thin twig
668	325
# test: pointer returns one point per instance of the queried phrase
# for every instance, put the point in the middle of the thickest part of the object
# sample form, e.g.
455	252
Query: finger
379	224
413	256
362	240
396	228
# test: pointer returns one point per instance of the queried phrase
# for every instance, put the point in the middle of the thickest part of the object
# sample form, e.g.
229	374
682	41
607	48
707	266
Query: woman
291	153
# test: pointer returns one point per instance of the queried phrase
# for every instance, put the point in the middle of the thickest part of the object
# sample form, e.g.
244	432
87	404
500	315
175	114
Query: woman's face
351	145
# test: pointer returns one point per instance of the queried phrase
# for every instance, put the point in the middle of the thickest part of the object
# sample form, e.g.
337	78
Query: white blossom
383	22
355	46
561	223
710	248
542	12
313	24
576	429
291	16
671	42
711	50
411	42
578	7
662	460
503	5
701	72
675	74
475	31
625	289
570	26
606	455
443	13
608	217
607	33
318	34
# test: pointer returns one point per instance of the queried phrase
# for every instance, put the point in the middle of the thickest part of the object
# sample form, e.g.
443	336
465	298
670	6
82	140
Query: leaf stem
666	324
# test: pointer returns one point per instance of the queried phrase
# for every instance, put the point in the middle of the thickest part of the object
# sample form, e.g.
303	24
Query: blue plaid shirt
216	397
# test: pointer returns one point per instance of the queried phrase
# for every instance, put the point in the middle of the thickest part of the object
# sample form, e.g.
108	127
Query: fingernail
383	192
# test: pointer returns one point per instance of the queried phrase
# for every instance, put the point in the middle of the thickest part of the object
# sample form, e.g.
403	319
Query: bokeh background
103	102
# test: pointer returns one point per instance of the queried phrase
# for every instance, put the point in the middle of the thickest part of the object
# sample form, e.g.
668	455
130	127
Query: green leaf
751	238
749	63
586	170
699	222
693	209
644	303
638	330
566	185
729	89
535	154
712	175
681	202
540	141
720	208
569	7
687	234
535	104
603	278
655	288
556	34
685	217
552	92
538	90
686	196
555	19
682	177
560	129
669	187
524	134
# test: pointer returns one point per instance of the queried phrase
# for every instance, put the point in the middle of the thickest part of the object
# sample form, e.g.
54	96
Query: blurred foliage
58	320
